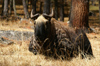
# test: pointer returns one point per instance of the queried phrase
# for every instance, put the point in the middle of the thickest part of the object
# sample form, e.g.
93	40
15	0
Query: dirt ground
17	54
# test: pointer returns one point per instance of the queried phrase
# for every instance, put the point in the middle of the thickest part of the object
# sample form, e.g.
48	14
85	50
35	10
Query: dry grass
15	25
94	7
18	55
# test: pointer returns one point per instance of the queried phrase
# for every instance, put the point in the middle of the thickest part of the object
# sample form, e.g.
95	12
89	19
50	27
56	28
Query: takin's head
41	23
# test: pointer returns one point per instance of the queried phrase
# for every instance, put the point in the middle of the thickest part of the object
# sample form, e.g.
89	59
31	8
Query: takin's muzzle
33	49
33	46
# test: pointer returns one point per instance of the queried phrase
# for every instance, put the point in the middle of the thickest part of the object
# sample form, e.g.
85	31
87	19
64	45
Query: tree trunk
34	6
46	6
70	11
41	7
27	3
5	11
14	7
2	8
99	9
79	14
11	7
92	2
56	9
25	9
61	10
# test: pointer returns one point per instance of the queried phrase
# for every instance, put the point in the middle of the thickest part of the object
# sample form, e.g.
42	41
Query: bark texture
46	6
79	14
41	7
34	6
99	9
61	10
11	7
56	9
2	8
14	7
25	9
5	11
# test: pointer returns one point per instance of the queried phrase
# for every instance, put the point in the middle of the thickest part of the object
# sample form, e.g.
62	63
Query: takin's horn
50	15
35	15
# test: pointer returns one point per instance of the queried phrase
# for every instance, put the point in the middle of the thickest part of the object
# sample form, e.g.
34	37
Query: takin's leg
84	45
87	45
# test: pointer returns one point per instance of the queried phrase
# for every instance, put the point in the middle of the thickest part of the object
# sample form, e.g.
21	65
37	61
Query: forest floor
17	54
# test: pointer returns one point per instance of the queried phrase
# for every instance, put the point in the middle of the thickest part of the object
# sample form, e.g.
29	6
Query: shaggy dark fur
59	41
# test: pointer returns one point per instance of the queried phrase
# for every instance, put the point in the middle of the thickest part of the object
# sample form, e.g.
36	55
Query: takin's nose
35	52
32	50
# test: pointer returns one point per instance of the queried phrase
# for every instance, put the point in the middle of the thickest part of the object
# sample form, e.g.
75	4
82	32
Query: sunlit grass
92	8
18	55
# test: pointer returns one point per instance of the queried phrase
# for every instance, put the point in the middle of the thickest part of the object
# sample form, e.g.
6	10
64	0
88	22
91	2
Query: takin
55	39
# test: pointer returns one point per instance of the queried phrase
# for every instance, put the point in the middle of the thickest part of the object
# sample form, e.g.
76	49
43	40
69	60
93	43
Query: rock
5	41
16	35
